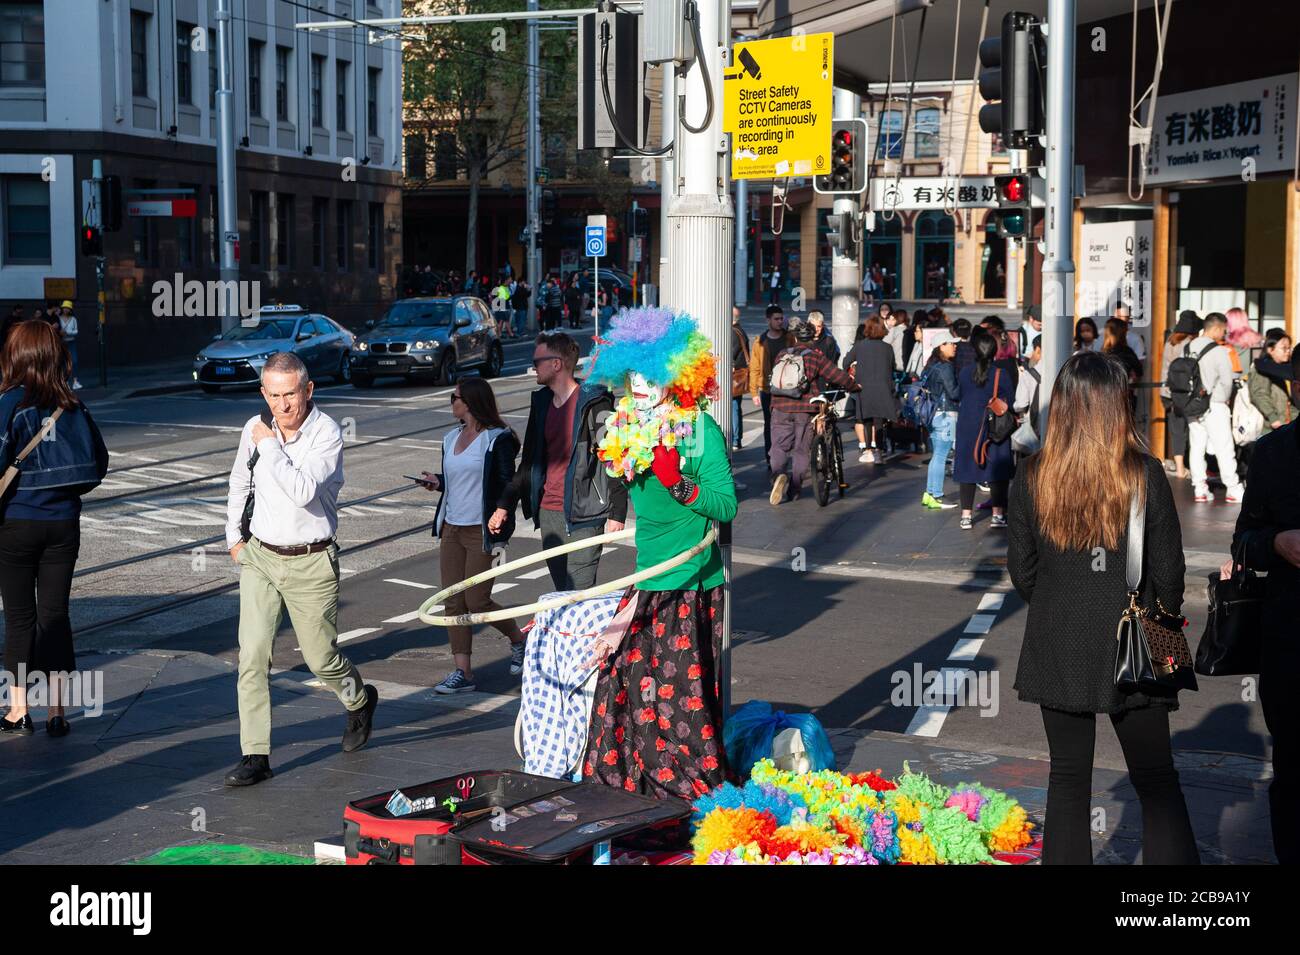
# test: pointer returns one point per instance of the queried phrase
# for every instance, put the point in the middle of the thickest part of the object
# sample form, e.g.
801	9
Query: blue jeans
737	419
943	435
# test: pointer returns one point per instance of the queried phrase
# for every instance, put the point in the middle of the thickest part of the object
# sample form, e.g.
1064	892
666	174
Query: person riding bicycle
799	374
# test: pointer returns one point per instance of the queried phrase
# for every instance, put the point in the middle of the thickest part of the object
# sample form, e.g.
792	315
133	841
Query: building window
284	224
343	235
318	91
926	145
184	65
22	44
445	162
341	96
282	83
372	103
257	230
144	232
26	215
213	77
889	140
255	50
375	236
416	157
139	53
557	155
320	210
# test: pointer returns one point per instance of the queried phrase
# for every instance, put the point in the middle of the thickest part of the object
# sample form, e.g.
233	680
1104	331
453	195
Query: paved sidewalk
147	773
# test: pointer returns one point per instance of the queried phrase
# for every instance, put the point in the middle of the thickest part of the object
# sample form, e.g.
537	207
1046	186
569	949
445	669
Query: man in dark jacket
792	431
561	483
1268	539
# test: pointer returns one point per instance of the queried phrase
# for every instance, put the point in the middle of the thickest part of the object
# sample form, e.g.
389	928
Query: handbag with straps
1232	643
740	376
998	423
11	473
1151	653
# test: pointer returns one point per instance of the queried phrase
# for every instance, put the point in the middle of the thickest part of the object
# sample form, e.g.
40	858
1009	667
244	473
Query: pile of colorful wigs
828	818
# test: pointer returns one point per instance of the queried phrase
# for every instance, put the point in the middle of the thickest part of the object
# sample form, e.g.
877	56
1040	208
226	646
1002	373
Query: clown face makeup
644	395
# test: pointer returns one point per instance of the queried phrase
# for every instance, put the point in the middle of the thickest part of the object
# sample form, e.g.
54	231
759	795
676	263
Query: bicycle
827	459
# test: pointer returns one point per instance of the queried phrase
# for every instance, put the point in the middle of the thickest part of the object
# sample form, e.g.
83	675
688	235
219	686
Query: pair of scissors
465	786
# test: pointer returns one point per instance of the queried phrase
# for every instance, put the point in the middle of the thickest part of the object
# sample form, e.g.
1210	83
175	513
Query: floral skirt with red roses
656	719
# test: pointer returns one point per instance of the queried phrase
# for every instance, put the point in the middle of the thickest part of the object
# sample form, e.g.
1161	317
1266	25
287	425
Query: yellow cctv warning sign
778	101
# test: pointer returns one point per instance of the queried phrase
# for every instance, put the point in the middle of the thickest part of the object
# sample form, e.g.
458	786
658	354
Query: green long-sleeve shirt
665	528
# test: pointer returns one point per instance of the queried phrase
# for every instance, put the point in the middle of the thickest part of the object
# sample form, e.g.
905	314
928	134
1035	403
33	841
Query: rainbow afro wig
664	347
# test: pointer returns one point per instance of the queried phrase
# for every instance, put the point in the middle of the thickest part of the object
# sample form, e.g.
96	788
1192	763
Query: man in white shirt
1213	430
288	558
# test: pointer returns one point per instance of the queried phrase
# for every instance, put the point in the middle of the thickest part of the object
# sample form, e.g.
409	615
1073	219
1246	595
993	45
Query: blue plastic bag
749	731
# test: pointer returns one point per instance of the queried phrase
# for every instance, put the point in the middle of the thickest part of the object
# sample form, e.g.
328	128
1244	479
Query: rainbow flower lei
631	435
828	818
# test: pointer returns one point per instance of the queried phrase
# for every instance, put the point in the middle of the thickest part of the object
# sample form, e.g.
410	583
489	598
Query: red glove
667	466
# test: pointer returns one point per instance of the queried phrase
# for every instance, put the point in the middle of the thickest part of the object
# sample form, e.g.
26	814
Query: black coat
1272	505
1067	660
875	373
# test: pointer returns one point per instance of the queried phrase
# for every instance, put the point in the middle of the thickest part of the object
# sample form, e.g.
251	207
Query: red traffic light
1013	190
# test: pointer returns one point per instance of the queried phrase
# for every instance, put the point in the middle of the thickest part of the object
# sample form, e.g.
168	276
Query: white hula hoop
524	610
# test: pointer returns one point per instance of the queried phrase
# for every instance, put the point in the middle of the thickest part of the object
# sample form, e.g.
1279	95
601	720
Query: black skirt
656	718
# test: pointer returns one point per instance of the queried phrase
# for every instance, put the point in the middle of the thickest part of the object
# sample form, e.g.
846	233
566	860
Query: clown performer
656	719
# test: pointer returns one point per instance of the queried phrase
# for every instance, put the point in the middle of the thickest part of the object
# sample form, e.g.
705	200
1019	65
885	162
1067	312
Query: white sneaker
1235	495
866	457
76	385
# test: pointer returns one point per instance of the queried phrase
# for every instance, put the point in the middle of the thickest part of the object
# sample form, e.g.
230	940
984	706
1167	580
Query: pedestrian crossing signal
92	243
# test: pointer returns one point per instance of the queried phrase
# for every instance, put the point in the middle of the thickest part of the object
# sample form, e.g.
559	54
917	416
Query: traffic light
842	234
640	221
1013	214
92	243
548	207
847	173
1012	81
111	214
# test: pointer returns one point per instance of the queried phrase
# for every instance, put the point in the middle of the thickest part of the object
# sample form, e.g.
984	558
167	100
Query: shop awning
862	29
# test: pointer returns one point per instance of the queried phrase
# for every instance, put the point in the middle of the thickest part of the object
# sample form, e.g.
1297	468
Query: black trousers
765	399
36	563
1144	736
997	494
1175	431
1276	679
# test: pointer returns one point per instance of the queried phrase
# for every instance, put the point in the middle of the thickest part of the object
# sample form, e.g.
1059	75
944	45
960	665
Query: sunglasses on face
538	361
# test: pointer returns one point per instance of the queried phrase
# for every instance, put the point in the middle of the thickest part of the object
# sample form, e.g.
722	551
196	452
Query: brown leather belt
297	550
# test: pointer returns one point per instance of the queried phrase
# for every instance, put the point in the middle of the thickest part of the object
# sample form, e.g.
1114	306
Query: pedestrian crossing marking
534	574
409	583
966	649
980	623
404	618
991	602
353	634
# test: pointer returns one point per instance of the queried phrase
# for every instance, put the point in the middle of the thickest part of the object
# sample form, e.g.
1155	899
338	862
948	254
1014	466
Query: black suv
428	337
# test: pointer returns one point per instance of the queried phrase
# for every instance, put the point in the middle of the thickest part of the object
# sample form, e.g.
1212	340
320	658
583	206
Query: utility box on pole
609	74
667	39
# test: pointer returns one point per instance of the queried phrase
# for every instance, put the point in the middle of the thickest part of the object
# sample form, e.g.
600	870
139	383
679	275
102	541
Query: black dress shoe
359	722
19	727
250	771
57	726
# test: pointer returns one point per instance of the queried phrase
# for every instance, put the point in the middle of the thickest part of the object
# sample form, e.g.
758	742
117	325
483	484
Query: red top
559	448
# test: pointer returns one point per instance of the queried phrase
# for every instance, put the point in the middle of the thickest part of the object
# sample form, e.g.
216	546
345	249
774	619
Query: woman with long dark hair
49	436
478	461
1085	336
1067	558
977	460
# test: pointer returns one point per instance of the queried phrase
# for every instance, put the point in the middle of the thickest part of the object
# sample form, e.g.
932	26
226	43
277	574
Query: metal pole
533	265
101	265
1012	279
227	199
1058	266
742	242
667	174
846	277
699	240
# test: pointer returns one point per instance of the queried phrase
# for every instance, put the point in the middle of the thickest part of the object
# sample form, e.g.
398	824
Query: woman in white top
68	329
478	461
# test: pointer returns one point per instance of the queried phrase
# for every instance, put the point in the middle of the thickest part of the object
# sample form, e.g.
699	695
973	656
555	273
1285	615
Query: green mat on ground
222	855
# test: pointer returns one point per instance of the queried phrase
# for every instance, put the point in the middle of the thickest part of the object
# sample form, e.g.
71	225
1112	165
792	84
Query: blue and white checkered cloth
555	708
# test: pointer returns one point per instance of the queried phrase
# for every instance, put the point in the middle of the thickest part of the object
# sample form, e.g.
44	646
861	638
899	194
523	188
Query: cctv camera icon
750	64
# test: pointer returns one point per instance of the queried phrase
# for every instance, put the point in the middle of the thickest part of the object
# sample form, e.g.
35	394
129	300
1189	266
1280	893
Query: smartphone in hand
422	481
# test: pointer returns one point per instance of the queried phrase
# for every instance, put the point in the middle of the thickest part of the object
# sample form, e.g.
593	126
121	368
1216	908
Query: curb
163	390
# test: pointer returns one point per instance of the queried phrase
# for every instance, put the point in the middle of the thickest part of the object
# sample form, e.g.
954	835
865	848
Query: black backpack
1187	394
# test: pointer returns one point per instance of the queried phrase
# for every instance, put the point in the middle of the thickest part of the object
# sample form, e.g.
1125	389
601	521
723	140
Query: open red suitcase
511	818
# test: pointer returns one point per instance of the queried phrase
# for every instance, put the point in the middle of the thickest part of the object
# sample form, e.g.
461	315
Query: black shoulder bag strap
246	521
